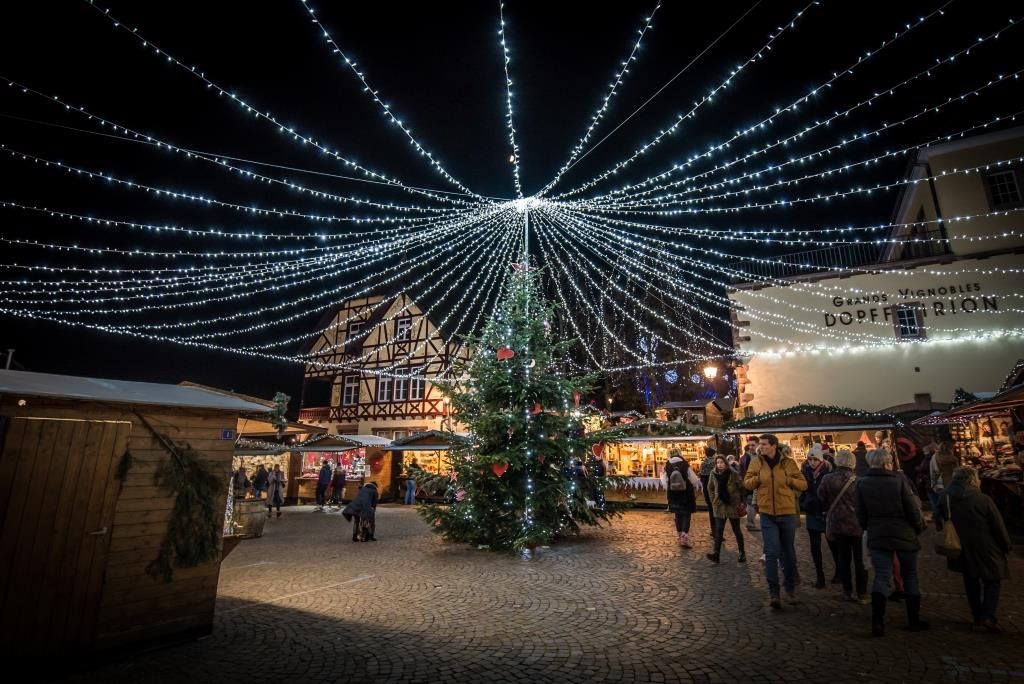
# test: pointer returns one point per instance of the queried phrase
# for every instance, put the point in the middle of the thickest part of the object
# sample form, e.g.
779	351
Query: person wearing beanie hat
706	468
836	494
814	469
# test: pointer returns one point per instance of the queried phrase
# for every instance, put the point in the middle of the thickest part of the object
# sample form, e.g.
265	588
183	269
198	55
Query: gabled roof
431	440
809	417
694	404
340	443
26	384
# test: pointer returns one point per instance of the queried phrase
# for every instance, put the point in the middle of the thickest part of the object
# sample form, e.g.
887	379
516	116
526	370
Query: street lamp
711	372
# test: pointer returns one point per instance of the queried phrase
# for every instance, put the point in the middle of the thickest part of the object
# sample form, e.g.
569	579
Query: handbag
742	509
949	544
828	514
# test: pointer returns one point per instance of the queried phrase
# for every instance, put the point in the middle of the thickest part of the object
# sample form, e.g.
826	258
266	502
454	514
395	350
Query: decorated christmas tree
529	474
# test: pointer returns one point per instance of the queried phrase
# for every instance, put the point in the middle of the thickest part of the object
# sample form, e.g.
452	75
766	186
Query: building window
909	321
1003	189
401	388
350	392
354	328
417	387
386	434
403	326
383	389
400	434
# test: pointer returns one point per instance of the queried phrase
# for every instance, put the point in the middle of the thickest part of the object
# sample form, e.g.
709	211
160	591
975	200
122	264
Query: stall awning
789	429
335	443
431	440
680	438
1000	403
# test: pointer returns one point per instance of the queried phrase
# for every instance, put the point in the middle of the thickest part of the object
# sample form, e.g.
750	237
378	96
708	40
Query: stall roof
698	403
431	440
28	384
1001	402
813	418
661	438
261	427
340	443
830	427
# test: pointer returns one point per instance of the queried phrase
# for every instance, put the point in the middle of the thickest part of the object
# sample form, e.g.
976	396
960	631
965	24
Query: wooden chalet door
58	489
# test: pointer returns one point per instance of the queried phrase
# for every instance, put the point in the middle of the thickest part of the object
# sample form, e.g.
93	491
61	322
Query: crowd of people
865	507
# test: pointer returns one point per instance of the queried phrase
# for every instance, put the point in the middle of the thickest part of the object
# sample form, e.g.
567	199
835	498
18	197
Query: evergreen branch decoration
812	408
123	466
193	535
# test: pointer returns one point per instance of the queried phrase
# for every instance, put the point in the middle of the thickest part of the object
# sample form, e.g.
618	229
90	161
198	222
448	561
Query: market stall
998	451
800	427
430	450
363	458
640	450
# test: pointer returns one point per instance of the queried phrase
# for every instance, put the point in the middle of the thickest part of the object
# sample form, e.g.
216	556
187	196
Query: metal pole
10	355
526	238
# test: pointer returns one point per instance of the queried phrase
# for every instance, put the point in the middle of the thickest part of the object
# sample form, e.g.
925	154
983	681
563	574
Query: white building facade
943	308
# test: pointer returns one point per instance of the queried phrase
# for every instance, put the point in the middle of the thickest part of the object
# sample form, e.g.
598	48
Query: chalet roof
695	404
812	418
431	440
340	443
27	384
997	404
257	427
725	404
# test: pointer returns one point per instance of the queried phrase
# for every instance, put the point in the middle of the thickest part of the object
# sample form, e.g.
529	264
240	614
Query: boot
684	539
742	558
877	614
914	621
713	557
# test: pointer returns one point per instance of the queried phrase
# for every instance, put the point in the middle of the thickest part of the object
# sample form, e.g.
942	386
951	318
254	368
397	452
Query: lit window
909	321
350	395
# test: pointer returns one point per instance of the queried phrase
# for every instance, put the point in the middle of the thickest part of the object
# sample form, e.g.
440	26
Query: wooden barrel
250	516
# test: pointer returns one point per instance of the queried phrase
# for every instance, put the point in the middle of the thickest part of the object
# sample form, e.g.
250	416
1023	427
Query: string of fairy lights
647	264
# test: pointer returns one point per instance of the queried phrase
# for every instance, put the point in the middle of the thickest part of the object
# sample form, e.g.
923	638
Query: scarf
772	462
723	485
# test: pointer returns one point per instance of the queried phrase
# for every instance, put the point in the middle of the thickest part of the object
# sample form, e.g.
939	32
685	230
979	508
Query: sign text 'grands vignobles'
947	300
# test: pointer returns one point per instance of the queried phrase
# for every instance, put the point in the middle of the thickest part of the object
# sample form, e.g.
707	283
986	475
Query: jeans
321	494
883	564
720	533
778	533
850	550
410	491
983	597
683	521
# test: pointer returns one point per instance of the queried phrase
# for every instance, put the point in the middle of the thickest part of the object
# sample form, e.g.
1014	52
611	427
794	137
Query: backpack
676	480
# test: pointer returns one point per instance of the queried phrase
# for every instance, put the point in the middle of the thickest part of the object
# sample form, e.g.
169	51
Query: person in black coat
362	511
984	545
682	493
890	513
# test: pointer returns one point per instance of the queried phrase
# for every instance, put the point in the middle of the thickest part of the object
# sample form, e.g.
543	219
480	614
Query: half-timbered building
370	371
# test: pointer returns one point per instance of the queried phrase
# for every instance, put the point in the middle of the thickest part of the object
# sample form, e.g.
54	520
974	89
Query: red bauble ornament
505	353
536	409
598	449
499	469
576	399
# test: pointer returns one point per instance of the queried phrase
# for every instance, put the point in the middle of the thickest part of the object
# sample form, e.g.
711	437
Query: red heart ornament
536	409
541	458
499	469
598	449
505	353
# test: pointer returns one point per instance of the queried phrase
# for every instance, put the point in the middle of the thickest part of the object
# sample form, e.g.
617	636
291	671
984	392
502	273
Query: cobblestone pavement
305	604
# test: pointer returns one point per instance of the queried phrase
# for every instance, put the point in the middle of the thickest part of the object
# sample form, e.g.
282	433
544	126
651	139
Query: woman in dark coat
682	493
891	514
726	495
836	494
815	468
984	545
362	511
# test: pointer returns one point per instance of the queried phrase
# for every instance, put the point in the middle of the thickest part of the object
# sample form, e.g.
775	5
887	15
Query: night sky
439	66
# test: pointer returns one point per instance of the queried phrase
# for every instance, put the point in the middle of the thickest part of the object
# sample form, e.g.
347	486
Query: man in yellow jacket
777	479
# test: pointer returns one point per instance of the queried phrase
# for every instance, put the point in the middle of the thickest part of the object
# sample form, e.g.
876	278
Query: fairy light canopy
175	181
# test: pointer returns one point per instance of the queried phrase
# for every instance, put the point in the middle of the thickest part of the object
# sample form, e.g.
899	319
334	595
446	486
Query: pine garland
812	408
193	535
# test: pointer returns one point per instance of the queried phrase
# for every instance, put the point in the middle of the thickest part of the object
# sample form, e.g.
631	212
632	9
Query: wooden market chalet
344	388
